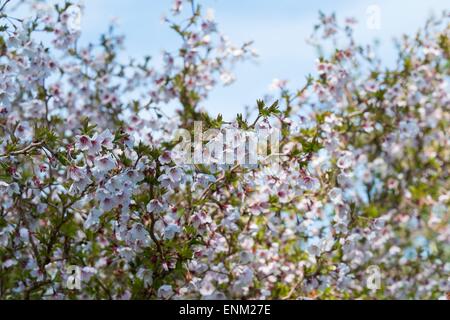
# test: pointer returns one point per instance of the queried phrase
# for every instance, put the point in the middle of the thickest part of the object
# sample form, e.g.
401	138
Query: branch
4	5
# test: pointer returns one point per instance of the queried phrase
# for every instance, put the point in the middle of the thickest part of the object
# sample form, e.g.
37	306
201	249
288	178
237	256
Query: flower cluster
91	174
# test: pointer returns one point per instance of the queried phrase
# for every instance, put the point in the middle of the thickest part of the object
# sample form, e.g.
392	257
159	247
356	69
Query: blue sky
279	29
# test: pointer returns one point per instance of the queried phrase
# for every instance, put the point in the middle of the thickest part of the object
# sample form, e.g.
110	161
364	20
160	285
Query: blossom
345	161
104	163
126	253
105	139
24	234
76	173
177	6
107	199
73	19
147	277
96	144
165	291
52	269
138	233
206	288
335	196
23	131
93	218
165	158
277	84
227	78
88	272
170	231
90	172
156	206
83	143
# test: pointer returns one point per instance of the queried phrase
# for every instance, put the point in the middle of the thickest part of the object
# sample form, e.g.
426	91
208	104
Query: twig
22	151
4	5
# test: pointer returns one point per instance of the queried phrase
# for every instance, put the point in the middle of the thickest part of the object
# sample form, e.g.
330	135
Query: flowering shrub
92	173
